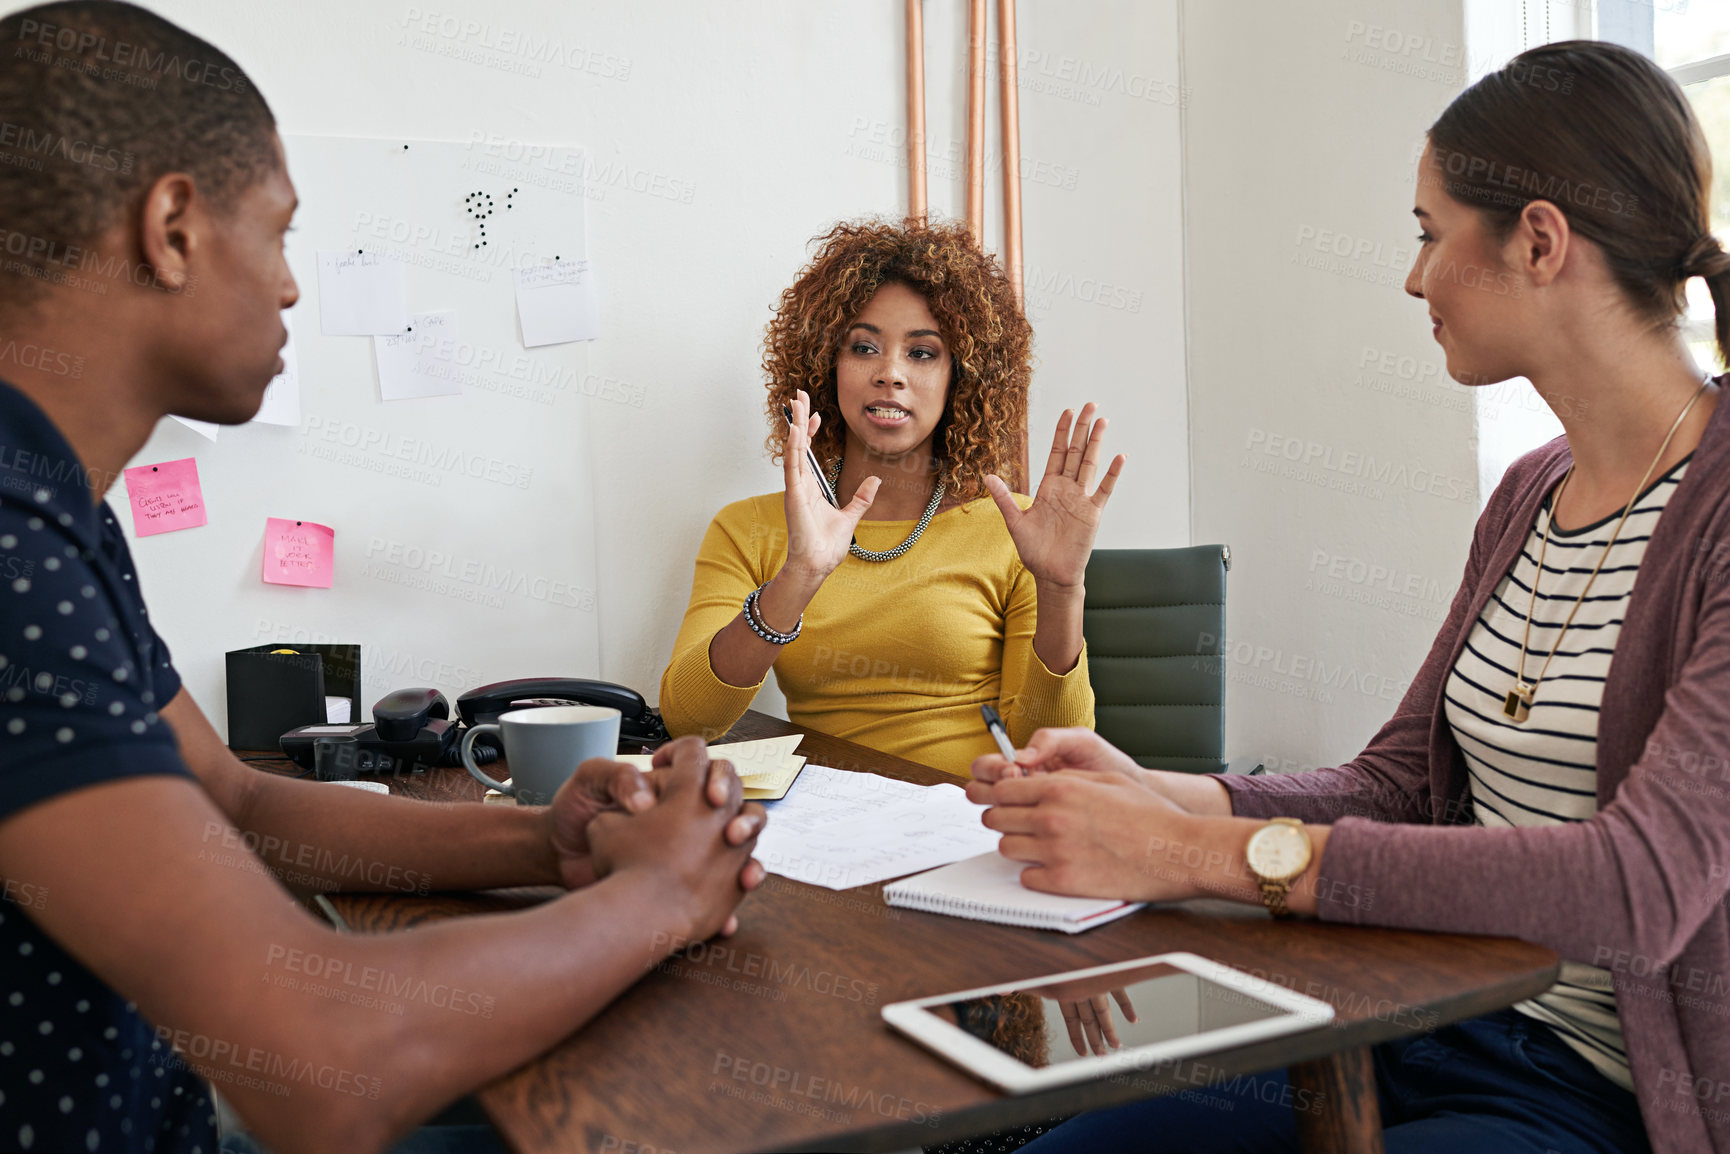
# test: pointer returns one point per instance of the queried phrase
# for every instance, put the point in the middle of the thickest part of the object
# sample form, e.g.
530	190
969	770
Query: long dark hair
1607	137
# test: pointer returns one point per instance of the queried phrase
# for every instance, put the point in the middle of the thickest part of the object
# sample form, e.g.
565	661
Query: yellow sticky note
766	766
768	755
773	786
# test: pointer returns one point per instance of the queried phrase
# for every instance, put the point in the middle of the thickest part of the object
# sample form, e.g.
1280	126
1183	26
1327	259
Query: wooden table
771	1040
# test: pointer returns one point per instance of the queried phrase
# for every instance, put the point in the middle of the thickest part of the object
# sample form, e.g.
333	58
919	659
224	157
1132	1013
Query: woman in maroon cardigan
1526	786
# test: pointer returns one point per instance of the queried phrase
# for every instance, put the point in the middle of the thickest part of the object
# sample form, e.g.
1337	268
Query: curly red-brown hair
1020	1029
990	341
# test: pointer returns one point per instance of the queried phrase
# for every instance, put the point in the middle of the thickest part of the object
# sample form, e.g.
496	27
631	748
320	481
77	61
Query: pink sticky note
298	553
165	497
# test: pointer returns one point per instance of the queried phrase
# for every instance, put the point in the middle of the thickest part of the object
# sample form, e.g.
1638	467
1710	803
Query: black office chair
1154	620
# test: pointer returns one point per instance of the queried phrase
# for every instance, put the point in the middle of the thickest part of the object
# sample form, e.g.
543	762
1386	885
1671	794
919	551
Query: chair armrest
1249	766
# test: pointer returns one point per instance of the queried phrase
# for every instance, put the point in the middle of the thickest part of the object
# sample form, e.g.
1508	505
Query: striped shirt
1544	770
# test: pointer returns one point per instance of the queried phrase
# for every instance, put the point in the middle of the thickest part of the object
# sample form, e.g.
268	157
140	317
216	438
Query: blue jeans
1499	1084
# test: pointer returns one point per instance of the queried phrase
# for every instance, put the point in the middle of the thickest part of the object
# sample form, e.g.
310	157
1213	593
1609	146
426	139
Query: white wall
723	137
432	500
1300	142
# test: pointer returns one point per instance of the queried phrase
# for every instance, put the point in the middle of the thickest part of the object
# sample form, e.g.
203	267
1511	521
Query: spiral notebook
988	888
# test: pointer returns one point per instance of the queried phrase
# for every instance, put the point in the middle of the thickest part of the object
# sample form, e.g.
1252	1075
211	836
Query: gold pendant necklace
1518	704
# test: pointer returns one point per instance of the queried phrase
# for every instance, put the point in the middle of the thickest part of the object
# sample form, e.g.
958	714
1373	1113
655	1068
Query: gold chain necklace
1518	704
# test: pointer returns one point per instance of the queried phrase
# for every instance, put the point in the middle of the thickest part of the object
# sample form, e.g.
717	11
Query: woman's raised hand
1054	535
818	534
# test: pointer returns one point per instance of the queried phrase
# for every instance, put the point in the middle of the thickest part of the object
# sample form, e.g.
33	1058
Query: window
1512	419
1691	39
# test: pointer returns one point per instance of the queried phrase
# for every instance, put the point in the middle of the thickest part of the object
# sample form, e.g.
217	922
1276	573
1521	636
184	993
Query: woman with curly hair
892	613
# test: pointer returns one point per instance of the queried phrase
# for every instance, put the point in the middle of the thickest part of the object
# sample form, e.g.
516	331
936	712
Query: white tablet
1092	1023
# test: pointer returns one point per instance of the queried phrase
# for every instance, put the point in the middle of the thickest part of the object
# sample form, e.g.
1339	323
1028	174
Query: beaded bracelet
761	628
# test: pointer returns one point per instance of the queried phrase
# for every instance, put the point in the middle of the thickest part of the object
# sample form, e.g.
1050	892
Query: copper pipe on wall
976	33
916	109
1011	114
1007	59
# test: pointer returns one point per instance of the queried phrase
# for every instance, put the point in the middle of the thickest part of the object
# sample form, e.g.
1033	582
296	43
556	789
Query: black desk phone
412	729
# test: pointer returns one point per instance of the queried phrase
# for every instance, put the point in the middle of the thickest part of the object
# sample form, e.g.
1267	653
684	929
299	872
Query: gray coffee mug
544	746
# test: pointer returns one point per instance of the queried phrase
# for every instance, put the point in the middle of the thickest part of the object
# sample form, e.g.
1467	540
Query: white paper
202	428
361	293
556	303
282	398
336	710
839	829
407	365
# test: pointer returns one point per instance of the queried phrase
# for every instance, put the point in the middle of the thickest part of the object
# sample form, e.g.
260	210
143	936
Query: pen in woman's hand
999	734
815	467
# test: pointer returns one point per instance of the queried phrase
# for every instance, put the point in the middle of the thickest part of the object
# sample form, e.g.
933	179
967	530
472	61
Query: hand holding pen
1050	750
811	461
819	529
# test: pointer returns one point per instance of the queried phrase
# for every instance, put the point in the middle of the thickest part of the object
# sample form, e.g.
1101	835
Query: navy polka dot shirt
82	674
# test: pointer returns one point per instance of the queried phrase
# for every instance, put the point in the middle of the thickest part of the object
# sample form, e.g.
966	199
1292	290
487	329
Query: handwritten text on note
557	303
409	365
299	553
165	497
361	293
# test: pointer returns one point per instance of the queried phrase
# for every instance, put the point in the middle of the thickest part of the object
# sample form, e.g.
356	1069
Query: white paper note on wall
361	293
282	398
202	428
556	303
408	363
424	485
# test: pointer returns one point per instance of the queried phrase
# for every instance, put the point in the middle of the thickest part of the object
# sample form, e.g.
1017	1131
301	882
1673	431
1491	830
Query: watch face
1279	851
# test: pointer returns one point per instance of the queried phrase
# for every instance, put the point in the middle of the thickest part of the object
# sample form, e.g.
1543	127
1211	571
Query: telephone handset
412	729
637	722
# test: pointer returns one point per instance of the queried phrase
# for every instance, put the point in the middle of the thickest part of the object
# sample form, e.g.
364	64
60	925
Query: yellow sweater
896	655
